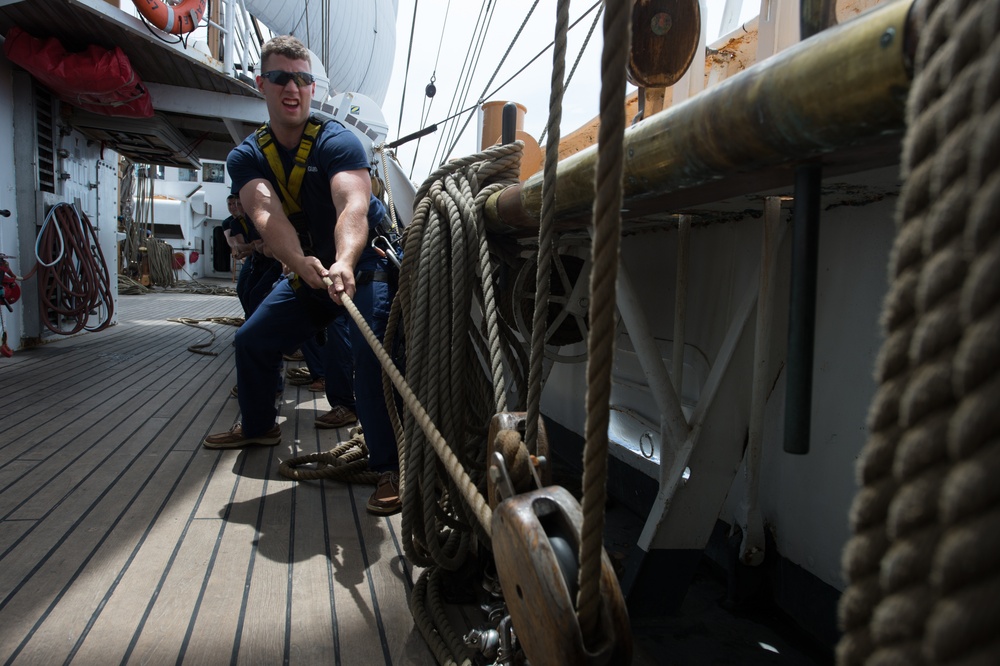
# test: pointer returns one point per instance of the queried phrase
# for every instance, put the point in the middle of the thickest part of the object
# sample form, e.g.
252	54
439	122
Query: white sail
358	47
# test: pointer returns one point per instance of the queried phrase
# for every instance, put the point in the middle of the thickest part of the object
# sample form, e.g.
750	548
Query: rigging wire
579	57
305	12
426	109
468	69
325	20
496	71
516	74
406	73
444	25
497	89
305	16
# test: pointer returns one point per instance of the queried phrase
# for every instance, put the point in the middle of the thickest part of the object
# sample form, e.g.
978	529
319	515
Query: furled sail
355	40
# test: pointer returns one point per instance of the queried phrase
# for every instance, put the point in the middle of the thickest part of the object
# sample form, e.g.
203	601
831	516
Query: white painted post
752	547
680	302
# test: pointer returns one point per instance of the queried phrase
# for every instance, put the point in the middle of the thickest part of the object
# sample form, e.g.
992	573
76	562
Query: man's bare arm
263	207
351	195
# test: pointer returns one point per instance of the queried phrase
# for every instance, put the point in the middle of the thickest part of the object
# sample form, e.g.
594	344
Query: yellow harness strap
289	184
244	225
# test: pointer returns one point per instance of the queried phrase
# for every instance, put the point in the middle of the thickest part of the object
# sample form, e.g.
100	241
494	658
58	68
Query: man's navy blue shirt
335	150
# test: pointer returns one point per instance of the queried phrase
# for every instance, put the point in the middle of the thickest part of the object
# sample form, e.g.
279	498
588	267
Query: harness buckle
387	252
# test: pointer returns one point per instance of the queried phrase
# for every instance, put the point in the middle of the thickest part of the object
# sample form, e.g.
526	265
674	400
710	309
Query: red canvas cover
95	79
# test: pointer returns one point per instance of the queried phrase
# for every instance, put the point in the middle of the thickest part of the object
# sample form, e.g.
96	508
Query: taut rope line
603	277
454	467
546	231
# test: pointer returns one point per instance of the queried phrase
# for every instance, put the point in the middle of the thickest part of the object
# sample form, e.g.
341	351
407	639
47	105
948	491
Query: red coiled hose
73	278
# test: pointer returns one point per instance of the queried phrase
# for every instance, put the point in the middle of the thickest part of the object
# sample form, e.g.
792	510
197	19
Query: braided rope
923	564
546	230
603	277
433	624
202	347
445	249
348	462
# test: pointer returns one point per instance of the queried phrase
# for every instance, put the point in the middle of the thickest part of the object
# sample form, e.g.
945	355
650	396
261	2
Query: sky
442	38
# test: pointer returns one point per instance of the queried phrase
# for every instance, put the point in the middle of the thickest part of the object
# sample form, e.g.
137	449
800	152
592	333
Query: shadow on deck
123	540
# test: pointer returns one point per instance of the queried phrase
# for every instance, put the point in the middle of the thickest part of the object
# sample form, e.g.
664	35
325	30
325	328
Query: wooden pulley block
536	541
506	435
665	35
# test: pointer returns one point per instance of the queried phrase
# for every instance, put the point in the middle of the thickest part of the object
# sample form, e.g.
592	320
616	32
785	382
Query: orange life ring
175	18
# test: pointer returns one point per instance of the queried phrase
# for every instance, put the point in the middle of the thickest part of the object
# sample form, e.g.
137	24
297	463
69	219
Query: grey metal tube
508	120
802	309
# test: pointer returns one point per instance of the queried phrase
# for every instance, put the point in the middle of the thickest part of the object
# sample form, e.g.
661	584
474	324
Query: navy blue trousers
282	323
265	272
334	362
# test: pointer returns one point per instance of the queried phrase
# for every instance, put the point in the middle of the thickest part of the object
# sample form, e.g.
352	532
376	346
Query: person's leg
262	281
281	322
339	381
242	284
313	355
339	363
373	301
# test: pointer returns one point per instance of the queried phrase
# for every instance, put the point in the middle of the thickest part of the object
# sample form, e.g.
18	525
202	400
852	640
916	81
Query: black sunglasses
281	78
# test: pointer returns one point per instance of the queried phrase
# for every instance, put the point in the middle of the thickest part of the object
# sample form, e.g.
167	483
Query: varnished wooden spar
838	97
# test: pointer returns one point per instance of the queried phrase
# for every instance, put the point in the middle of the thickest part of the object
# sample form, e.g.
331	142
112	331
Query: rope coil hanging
73	278
924	561
456	365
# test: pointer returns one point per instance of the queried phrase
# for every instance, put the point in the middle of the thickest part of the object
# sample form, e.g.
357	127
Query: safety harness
384	241
290	184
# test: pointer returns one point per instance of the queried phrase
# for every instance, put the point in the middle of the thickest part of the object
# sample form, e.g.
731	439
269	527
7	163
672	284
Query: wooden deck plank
96	455
96	394
358	625
188	620
49	411
65	624
217	627
311	639
39	569
76	454
391	584
268	601
141	546
96	416
152	555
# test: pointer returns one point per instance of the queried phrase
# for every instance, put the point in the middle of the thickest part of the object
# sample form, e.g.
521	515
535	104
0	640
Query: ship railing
241	51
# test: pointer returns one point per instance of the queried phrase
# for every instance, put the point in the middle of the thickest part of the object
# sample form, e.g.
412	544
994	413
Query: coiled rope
73	279
202	347
456	365
923	564
347	462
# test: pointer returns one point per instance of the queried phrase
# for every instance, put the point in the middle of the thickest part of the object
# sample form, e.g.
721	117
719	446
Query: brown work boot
338	417
318	386
235	439
386	500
